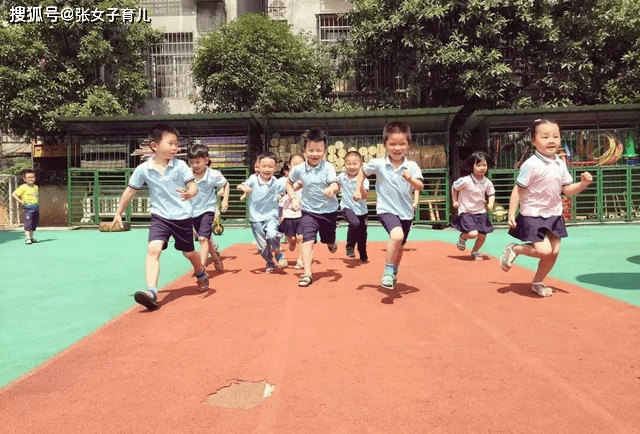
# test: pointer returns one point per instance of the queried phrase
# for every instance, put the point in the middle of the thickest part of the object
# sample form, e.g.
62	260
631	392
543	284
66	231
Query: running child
469	195
395	177
319	202
542	178
171	185
205	202
27	196
290	222
355	213
263	191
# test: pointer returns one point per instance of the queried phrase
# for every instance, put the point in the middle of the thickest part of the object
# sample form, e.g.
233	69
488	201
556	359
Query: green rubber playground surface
58	291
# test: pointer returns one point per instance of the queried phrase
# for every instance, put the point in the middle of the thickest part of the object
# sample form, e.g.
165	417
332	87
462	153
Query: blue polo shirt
394	192
207	199
263	200
165	200
314	181
348	188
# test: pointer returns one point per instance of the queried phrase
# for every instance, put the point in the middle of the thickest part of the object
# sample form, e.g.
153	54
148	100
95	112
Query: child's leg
362	238
471	235
258	229
213	250
273	241
307	256
152	264
394	246
548	250
204	251
300	263
479	242
352	231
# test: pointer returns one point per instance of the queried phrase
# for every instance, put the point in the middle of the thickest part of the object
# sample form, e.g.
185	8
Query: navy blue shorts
391	221
289	227
467	222
534	229
161	229
203	224
311	223
31	214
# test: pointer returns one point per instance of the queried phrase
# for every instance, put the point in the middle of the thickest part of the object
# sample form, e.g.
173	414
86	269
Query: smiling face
546	139
480	168
199	164
167	147
352	165
295	161
29	179
397	146
267	167
314	152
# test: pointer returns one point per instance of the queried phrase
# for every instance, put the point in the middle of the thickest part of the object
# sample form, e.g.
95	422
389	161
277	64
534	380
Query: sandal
217	261
146	299
305	280
203	282
388	281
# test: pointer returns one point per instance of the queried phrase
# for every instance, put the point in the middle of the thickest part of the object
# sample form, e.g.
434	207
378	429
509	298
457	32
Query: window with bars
332	28
163	7
277	9
169	66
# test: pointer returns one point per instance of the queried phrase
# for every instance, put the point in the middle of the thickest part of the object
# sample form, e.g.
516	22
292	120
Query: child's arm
224	206
454	197
514	201
416	183
189	192
127	195
358	193
295	205
17	199
331	190
245	189
491	202
416	199
578	187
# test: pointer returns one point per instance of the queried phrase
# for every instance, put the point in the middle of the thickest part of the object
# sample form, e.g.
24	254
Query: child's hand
295	205
116	222
221	192
456	204
489	207
328	192
512	222
415	204
184	193
224	206
357	196
406	174
586	178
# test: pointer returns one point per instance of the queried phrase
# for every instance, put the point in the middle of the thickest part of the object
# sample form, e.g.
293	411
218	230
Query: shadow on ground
628	281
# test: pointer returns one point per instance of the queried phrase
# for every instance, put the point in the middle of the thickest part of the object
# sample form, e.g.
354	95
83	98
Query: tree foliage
254	63
70	68
499	53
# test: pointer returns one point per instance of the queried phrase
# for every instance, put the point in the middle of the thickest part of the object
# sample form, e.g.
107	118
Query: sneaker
477	256
388	281
542	290
461	243
350	252
280	261
508	256
364	258
28	241
270	269
333	247
299	265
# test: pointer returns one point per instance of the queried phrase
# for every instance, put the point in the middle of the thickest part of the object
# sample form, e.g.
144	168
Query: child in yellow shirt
27	195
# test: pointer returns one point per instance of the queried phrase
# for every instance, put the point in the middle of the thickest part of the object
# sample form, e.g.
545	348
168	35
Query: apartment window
277	9
332	28
163	7
169	66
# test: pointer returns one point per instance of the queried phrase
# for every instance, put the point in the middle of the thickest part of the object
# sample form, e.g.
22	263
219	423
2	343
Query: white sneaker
542	290
508	256
461	243
477	256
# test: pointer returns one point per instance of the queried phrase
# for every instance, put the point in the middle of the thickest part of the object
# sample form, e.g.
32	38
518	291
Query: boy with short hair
166	177
319	202
205	201
27	195
355	213
396	176
263	189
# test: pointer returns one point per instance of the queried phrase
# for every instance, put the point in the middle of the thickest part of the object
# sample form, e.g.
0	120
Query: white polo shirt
263	199
207	199
394	192
165	200
543	179
314	181
348	188
472	194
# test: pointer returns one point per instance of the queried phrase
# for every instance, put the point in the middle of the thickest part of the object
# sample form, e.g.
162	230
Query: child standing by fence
469	195
27	196
396	176
542	178
263	190
355	213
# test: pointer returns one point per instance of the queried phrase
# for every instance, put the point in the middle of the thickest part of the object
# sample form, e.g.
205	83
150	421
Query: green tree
70	68
254	63
497	53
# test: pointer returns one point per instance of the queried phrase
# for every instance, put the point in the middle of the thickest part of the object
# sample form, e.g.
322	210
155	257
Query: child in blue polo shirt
166	177
355	213
396	176
319	202
262	190
205	202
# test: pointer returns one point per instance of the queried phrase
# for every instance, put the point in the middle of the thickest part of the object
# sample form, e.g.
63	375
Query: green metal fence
614	194
94	195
